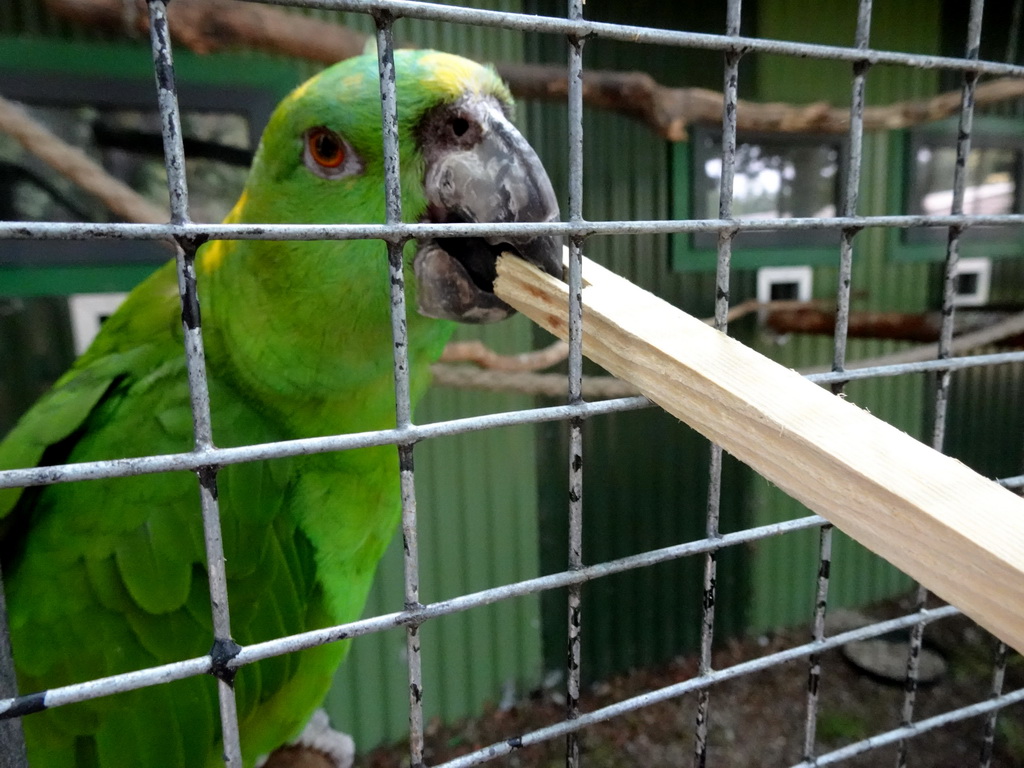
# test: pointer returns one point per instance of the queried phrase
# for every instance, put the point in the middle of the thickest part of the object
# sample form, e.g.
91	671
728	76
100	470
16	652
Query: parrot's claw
318	746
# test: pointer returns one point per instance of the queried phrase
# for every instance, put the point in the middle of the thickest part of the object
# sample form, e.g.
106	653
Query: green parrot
108	576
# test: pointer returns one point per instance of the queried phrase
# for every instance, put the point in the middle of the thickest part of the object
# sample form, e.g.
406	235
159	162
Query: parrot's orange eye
328	155
325	147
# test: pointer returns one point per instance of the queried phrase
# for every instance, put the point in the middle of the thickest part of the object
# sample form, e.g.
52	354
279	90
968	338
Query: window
784	284
778	176
991	180
99	97
126	140
775	178
973	277
113	119
993	173
924	166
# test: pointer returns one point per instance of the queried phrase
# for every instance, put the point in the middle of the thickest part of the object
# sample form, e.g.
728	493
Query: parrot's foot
318	746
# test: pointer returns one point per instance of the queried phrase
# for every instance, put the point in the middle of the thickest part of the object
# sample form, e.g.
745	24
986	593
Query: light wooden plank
958	533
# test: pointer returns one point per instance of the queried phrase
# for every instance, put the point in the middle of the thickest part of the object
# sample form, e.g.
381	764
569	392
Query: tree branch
208	26
901	326
1012	326
475	351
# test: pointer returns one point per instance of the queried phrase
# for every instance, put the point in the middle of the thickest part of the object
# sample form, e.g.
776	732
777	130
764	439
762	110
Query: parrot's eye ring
328	155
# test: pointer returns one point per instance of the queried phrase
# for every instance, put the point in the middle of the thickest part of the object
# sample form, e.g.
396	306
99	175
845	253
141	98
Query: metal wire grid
205	459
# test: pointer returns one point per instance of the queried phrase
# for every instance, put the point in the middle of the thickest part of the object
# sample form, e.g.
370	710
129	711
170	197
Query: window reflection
776	177
777	180
991	184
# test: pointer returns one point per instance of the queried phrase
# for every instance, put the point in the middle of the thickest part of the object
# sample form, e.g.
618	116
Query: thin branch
1008	328
476	351
901	326
771	307
528	382
210	26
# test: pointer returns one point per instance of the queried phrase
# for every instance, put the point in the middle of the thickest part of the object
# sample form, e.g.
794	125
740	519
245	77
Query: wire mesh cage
731	167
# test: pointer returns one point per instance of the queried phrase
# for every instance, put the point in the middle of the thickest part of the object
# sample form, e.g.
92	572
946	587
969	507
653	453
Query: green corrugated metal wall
644	473
984	422
858	576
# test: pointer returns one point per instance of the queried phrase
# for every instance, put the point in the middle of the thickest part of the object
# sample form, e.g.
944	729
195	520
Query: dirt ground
758	720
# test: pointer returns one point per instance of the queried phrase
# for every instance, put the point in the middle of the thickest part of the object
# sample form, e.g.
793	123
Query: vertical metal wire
575	395
817	633
944	379
12	740
998	675
851	192
224	647
403	406
963	149
722	274
848	207
1002	651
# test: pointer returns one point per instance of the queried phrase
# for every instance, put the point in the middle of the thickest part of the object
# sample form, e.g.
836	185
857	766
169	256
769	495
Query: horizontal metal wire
697	683
582	28
104	686
916	729
95	470
921	366
40	230
193	460
258	651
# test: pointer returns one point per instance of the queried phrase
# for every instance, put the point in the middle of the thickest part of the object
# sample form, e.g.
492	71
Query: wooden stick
956	532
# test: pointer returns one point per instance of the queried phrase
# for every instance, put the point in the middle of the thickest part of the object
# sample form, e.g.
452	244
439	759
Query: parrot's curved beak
479	168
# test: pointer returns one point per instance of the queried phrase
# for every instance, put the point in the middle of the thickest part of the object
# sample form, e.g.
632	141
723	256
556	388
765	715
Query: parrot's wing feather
56	417
116	555
127	554
141	335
